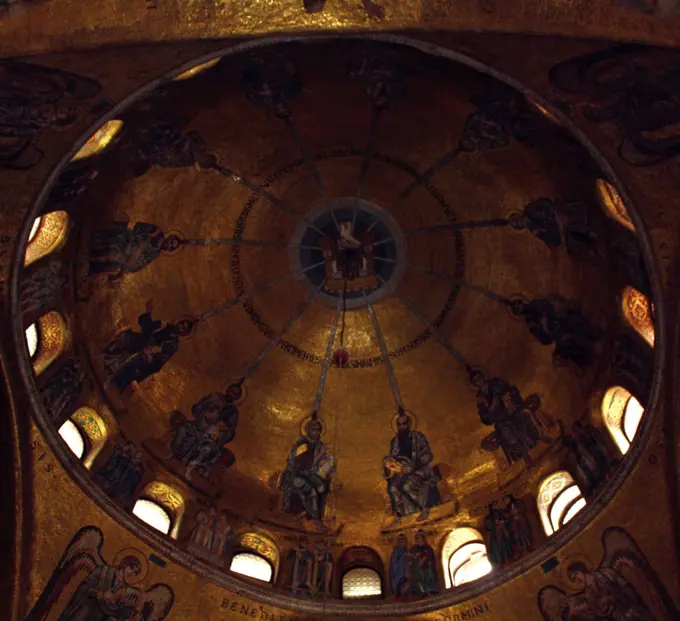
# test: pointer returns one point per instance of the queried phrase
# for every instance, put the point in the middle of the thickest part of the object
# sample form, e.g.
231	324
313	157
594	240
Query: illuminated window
51	337
91	425
613	204
101	139
261	546
559	500
32	339
153	514
361	582
168	500
73	437
252	565
190	73
48	233
622	414
464	557
638	313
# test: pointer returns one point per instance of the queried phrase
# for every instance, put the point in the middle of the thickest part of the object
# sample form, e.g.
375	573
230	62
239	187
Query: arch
168	499
93	427
559	500
32	339
637	309
194	71
100	140
361	582
74	438
464	557
48	233
252	565
52	338
613	204
622	414
262	546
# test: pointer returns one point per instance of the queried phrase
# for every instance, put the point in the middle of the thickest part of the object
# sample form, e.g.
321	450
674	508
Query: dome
345	291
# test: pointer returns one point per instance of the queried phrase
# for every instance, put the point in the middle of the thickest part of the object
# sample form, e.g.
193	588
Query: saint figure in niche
411	479
133	356
400	571
349	260
323	568
60	394
423	564
301	561
309	471
120	250
122	472
201	443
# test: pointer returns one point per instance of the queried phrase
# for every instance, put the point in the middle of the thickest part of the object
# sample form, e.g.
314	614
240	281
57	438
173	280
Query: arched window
637	310
361	582
32	340
46	339
154	514
622	414
161	506
559	500
101	139
262	546
92	430
613	204
190	73
464	557
48	233
252	565
73	437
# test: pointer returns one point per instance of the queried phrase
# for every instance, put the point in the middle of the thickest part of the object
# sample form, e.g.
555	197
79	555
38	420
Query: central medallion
350	250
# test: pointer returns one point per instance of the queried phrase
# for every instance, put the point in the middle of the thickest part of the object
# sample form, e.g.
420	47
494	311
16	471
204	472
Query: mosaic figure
554	320
517	421
122	472
634	89
134	356
60	394
400	570
309	471
558	222
630	366
423	567
273	85
301	561
120	250
71	184
44	285
508	530
34	99
411	479
323	569
379	78
588	456
210	536
201	443
108	591
622	588
168	146
349	261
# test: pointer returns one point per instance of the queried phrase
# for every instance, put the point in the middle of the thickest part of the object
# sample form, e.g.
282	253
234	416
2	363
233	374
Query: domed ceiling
348	239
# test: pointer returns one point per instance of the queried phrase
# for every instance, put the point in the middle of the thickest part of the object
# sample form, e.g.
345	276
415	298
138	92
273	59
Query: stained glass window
73	437
559	500
637	310
613	204
361	582
153	514
101	139
251	565
622	414
48	233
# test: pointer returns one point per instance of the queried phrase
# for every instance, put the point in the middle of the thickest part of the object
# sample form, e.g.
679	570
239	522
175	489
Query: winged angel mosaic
106	591
623	588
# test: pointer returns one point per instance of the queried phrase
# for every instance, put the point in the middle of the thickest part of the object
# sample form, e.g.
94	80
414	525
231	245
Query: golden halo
574	558
176	233
304	422
411	415
244	389
144	564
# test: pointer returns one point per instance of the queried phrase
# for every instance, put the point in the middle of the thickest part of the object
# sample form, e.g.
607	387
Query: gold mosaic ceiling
316	124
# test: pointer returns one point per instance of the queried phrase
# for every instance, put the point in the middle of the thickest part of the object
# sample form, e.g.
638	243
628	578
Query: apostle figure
44	285
120	250
201	443
60	394
411	480
400	570
309	471
302	565
518	526
203	532
423	567
323	569
223	531
122	472
134	356
500	536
